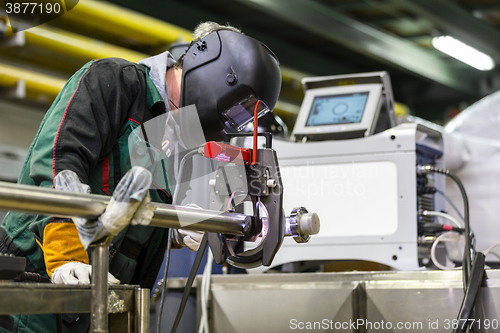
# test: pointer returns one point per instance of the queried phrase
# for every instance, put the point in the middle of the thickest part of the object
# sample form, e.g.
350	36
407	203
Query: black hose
189	283
471	283
175	200
188	155
467	252
468	241
471	293
473	239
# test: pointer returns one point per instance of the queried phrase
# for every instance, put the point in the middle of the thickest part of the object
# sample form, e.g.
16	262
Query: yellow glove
61	245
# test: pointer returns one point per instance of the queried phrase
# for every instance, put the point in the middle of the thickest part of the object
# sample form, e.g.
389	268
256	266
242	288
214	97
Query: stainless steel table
127	304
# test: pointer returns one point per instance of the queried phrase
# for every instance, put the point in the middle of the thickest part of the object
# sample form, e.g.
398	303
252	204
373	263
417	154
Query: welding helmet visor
242	112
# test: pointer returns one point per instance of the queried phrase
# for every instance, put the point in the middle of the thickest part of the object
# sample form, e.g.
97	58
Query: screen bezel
372	107
366	93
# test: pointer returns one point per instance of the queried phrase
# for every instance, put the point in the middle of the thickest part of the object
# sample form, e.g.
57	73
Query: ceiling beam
459	23
365	39
188	16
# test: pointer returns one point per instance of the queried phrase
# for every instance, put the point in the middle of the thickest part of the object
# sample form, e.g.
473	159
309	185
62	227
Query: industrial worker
82	145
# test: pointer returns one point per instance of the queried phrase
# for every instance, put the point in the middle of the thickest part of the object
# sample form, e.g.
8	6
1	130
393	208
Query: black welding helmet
225	74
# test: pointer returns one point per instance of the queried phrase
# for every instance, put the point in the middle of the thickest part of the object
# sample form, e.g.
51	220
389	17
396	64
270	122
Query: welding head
224	74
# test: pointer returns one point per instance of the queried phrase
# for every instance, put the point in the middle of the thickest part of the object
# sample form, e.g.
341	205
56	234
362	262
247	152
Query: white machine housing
364	191
356	169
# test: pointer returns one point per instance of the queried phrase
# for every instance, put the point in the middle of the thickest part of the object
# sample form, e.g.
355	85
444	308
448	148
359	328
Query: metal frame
94	299
396	145
47	201
127	306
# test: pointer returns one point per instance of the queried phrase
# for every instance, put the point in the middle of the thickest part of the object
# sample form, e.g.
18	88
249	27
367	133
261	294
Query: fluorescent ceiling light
463	52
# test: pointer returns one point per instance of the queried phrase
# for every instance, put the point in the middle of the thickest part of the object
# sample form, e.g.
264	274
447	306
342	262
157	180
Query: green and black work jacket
89	129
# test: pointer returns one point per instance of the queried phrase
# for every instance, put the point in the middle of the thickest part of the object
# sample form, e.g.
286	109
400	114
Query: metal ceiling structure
360	37
325	37
310	37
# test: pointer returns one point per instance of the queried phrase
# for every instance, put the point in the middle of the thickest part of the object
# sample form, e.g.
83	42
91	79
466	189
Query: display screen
337	109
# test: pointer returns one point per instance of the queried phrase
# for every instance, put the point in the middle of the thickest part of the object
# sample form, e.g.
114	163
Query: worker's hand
76	273
144	212
68	180
130	204
130	192
189	238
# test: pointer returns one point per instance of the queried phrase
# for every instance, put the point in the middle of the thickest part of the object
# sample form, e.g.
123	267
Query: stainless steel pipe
45	201
99	287
141	317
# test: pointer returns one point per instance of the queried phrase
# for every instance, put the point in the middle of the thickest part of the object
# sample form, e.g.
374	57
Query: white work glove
130	193
144	212
130	204
189	238
76	273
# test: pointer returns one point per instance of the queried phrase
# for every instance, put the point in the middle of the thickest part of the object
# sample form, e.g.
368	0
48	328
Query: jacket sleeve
93	116
80	128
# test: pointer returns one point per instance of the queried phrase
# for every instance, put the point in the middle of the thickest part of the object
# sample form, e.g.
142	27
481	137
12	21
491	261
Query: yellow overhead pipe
45	88
84	48
101	15
115	20
38	86
125	23
289	75
137	27
77	46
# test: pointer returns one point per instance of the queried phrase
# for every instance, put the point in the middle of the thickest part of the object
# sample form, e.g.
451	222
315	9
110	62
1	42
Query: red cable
255	128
